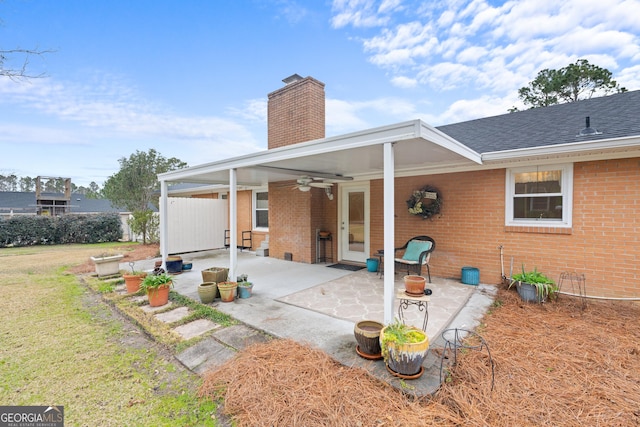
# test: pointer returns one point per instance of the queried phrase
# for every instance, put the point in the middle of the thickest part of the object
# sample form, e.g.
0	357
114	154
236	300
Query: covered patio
381	153
319	306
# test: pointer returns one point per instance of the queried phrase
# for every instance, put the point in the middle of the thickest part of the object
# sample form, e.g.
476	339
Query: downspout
233	224
389	230
164	223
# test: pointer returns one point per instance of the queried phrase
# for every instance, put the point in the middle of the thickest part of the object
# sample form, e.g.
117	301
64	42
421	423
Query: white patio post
389	230
233	224
164	222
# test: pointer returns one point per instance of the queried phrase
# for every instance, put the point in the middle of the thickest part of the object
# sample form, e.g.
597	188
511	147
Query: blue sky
190	78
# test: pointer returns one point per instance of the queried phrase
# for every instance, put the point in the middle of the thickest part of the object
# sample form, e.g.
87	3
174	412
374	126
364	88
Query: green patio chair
415	254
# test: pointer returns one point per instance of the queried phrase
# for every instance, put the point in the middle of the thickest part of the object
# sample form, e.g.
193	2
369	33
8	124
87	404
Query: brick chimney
296	112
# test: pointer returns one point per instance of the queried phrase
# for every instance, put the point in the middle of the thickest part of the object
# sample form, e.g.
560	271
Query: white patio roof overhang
386	152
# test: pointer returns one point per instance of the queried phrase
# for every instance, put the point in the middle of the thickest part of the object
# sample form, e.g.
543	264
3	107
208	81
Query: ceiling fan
305	183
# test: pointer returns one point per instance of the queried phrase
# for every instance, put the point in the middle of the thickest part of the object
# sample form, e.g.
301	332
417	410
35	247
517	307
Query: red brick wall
603	243
294	218
296	113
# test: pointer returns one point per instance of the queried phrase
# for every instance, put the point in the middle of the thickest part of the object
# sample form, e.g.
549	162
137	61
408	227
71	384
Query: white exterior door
354	222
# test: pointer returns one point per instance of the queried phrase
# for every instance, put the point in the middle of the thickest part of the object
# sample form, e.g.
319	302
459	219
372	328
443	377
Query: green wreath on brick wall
425	202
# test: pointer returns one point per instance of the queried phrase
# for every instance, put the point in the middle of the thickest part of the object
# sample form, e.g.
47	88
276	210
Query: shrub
40	230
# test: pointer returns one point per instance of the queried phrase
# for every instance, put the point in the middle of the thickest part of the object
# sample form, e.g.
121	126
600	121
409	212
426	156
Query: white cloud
360	13
109	104
346	116
468	109
629	77
254	110
493	48
404	82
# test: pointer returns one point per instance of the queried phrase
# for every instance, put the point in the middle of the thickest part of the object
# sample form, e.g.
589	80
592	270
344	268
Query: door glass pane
356	221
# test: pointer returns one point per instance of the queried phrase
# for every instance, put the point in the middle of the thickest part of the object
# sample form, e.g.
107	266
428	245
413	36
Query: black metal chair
415	254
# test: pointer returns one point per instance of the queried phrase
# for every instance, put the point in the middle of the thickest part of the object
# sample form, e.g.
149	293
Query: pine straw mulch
555	365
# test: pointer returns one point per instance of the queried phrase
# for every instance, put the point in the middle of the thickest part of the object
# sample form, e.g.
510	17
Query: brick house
557	188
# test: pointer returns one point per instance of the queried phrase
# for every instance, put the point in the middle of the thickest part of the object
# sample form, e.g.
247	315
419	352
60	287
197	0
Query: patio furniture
322	253
246	243
422	302
415	253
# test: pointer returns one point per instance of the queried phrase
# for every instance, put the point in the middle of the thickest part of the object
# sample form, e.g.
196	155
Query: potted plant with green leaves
404	349
157	286
133	279
244	289
533	286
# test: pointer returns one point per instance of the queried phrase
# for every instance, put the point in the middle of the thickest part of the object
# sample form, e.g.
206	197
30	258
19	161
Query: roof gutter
611	144
393	133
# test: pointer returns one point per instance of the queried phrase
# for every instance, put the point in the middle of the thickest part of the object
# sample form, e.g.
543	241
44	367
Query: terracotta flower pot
132	282
158	296
227	291
414	284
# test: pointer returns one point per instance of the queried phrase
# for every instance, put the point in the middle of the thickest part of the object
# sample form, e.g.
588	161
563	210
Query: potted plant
133	280
107	265
367	333
404	348
227	291
157	288
534	286
414	284
207	292
215	274
244	289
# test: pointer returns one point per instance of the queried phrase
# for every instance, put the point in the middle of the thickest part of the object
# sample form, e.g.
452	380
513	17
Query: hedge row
46	230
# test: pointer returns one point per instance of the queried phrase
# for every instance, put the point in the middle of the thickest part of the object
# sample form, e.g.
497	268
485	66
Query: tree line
13	182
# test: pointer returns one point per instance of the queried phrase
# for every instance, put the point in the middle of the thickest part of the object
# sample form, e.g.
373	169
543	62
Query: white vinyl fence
196	224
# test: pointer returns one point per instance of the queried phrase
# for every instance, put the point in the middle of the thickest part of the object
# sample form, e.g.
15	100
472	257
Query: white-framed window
539	196
260	210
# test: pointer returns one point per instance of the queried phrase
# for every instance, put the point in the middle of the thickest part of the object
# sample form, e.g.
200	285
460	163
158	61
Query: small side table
380	256
422	302
322	255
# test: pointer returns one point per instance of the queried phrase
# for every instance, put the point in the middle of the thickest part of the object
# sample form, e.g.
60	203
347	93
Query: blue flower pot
244	291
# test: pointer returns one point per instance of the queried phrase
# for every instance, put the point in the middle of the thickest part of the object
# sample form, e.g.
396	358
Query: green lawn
61	345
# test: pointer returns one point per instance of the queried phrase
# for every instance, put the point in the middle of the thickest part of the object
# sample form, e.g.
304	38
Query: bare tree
21	57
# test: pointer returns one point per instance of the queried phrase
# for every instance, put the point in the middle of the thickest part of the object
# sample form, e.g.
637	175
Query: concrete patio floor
319	306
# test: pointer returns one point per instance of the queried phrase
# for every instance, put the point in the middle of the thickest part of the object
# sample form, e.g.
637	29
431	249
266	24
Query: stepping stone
149	309
205	355
173	315
195	328
240	336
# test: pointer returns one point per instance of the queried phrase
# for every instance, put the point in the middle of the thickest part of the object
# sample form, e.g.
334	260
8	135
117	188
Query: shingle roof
25	202
615	116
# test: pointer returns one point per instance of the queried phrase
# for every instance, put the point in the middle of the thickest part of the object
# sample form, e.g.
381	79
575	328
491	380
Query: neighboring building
555	188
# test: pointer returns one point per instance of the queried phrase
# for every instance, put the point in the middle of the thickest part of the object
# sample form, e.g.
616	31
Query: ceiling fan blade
321	184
